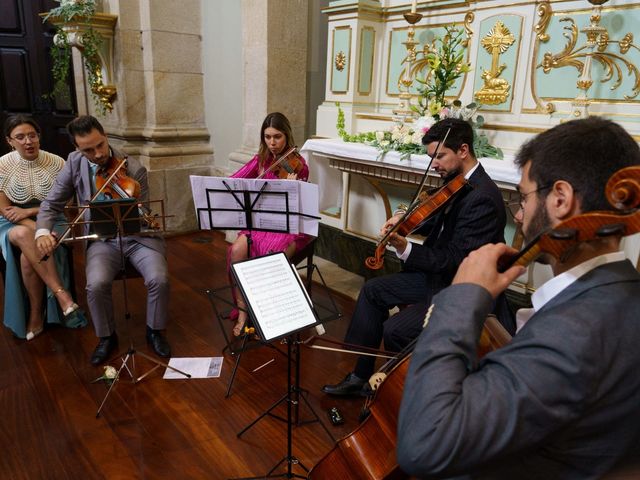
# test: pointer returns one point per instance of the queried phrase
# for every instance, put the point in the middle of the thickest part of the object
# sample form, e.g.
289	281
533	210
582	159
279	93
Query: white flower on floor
109	375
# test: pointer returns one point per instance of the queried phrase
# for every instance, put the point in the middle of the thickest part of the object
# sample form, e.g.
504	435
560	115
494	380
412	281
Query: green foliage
70	11
445	59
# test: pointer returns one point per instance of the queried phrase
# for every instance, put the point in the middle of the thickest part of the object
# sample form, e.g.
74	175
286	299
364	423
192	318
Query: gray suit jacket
562	400
75	179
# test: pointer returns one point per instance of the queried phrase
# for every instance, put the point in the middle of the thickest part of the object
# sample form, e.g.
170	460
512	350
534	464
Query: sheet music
275	296
217	207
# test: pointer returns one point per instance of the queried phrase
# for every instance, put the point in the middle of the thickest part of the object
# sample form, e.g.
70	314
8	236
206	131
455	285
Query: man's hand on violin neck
389	224
45	244
398	242
480	268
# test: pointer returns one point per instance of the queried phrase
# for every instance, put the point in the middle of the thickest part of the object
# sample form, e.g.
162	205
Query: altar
359	190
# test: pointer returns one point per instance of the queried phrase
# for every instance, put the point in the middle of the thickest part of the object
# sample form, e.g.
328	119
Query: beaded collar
23	180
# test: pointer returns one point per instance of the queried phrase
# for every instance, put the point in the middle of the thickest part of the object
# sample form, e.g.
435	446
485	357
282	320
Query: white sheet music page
219	204
274	295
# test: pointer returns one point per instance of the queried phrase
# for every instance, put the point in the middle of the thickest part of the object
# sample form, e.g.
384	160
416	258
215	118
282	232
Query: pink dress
271	242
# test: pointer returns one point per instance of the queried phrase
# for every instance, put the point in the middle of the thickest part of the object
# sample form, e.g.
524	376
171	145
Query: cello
368	453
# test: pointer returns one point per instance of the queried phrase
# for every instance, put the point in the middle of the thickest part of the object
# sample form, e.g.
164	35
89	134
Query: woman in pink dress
275	139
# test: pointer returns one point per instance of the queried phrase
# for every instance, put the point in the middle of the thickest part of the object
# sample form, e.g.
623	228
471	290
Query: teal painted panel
509	58
341	46
398	51
365	73
560	83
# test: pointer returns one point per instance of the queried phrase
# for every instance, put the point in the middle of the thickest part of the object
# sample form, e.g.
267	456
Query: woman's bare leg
238	252
35	292
23	237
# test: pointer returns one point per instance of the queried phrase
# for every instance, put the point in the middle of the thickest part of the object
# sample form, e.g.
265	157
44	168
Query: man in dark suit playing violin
103	260
561	399
474	217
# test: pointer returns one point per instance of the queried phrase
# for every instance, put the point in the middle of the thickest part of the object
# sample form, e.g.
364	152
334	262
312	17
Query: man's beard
540	222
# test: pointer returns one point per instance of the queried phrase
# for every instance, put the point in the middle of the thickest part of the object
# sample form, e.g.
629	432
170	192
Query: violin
113	181
416	215
370	451
287	163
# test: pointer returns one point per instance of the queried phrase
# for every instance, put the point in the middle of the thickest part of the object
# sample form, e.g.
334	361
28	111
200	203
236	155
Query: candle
413	5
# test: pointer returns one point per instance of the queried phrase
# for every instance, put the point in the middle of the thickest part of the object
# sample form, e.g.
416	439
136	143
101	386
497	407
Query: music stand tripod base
130	354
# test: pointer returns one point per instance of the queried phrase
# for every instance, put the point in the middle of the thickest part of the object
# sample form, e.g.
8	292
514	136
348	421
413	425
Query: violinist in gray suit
103	258
562	399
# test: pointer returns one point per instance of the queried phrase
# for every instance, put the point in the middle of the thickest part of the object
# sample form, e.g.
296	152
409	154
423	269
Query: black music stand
115	218
246	206
266	301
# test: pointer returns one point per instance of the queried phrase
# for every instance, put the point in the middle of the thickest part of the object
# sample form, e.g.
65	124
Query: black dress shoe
158	343
105	347
351	385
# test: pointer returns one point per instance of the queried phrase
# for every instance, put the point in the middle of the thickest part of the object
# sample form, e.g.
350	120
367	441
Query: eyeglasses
516	206
22	138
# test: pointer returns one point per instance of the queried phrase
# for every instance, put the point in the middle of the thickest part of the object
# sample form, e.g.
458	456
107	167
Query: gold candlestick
405	81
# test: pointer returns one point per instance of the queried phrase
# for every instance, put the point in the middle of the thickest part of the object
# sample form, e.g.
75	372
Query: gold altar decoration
495	89
340	60
594	48
405	80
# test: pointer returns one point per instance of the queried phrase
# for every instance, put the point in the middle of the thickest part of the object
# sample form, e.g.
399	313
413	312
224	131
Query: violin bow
426	172
414	201
356	349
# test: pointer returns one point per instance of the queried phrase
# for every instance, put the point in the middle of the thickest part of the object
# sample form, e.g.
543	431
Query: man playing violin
474	217
561	399
103	257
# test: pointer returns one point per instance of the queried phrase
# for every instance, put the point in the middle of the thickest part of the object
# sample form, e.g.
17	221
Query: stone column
274	37
159	112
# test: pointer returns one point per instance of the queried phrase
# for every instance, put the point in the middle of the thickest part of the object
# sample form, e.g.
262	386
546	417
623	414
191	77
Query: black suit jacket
474	218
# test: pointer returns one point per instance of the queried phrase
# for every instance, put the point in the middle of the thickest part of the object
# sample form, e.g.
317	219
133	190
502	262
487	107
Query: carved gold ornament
495	89
597	47
544	12
340	60
468	21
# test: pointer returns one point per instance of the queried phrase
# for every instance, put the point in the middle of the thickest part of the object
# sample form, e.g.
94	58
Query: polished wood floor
156	429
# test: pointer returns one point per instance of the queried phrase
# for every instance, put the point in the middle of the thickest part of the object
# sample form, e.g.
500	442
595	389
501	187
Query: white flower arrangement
445	61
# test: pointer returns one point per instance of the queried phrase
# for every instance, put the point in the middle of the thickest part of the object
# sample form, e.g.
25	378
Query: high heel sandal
71	308
31	334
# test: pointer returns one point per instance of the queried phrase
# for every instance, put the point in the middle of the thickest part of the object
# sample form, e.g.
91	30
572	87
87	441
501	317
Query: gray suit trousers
104	263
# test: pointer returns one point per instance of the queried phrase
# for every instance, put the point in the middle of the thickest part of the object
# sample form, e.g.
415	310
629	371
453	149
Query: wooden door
25	73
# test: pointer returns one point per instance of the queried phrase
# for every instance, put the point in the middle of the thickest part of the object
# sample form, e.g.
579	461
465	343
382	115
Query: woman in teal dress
26	176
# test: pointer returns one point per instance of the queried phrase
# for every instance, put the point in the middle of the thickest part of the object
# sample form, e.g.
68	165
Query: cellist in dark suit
474	217
562	399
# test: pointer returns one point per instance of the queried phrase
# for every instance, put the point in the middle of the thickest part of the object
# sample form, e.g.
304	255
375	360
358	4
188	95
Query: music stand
239	204
281	308
115	218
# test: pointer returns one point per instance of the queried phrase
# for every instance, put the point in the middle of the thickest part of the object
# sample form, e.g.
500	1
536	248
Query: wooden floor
174	429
